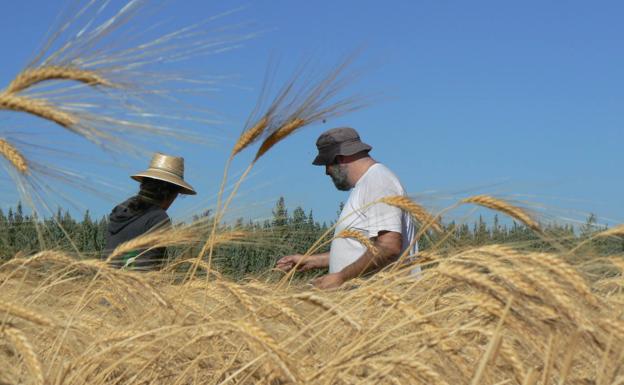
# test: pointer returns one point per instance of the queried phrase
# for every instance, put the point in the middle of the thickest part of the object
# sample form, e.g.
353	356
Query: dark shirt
127	221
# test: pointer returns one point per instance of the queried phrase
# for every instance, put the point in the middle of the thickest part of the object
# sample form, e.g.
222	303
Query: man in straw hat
160	185
391	231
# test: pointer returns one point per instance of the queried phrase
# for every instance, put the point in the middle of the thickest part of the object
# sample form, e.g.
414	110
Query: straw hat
169	169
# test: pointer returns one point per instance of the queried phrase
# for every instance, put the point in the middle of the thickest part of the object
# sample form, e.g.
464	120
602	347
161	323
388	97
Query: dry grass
455	324
24	348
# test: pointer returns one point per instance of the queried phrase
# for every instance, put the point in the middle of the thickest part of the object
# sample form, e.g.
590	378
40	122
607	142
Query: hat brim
165	176
325	158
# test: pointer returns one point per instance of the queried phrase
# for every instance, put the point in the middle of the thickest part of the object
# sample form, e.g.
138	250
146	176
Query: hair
153	192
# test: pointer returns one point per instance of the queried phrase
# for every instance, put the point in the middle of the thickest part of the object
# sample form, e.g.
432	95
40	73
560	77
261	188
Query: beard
338	174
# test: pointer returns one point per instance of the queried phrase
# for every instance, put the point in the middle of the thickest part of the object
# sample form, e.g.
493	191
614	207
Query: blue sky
522	100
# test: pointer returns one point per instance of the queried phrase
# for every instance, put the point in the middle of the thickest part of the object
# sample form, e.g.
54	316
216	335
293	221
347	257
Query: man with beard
347	161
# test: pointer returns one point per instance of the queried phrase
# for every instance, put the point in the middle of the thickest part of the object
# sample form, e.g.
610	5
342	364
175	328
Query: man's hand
329	281
302	262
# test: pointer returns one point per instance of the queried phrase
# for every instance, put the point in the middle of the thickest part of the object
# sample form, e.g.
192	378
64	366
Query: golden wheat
327	305
171	237
24	313
266	341
421	370
38	108
281	133
441	326
26	350
615	231
250	135
417	212
10	153
34	76
240	295
358	236
503	207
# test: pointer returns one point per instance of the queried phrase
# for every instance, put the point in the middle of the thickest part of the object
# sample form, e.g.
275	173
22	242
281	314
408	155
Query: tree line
284	233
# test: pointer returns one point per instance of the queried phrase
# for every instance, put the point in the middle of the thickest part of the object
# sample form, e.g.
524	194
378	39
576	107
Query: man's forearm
320	260
388	248
366	263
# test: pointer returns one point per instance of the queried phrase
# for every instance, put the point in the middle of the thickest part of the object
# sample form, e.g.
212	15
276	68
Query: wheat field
497	314
490	315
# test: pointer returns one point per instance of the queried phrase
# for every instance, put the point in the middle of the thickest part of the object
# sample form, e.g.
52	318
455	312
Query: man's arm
388	244
303	262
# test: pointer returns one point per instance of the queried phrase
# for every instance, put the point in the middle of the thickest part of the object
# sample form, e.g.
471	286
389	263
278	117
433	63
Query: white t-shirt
377	182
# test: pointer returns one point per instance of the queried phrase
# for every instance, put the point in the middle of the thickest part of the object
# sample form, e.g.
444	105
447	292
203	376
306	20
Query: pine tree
280	214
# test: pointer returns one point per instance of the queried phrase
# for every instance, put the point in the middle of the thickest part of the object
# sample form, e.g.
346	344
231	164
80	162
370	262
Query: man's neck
358	168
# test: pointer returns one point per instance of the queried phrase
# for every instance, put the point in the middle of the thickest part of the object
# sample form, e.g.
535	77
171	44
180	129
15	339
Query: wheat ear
414	209
37	108
239	294
347	233
13	156
330	307
424	371
270	345
617	231
161	238
250	135
504	207
31	77
25	349
278	135
23	313
613	232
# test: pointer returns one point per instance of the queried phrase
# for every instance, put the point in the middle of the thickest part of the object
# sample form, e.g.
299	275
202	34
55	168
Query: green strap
126	258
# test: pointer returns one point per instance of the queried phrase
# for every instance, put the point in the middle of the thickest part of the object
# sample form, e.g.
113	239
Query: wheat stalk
565	271
617	231
278	135
504	207
38	108
21	312
475	279
155	239
12	154
327	305
249	136
265	340
23	346
34	76
239	294
423	371
348	233
414	209
491	350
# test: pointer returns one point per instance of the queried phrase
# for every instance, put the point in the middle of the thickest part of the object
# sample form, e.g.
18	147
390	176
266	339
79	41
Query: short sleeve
380	217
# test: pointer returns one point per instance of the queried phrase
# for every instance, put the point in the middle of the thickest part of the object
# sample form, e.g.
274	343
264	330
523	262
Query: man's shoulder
380	169
380	176
156	216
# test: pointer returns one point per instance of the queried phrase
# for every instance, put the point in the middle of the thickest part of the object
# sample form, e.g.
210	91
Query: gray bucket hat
338	141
